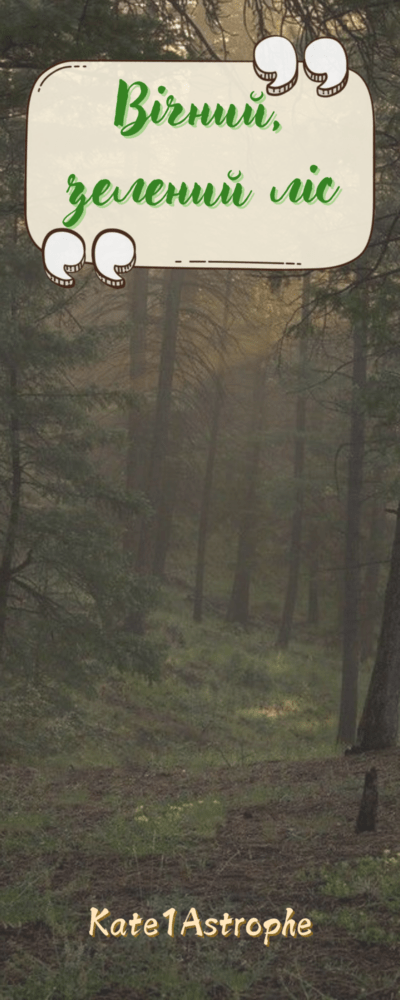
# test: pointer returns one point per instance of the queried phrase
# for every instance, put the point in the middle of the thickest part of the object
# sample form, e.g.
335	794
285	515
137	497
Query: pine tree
66	588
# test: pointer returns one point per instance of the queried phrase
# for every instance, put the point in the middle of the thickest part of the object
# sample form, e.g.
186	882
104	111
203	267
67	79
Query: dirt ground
264	859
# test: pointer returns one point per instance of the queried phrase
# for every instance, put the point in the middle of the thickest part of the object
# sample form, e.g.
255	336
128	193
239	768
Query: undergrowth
226	695
368	890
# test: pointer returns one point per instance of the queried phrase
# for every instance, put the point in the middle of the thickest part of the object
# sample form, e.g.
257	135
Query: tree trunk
206	502
352	576
238	609
369	602
313	596
378	728
162	417
299	454
135	457
172	469
209	470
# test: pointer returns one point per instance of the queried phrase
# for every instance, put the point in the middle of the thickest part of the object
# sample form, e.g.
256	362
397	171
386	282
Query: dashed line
250	263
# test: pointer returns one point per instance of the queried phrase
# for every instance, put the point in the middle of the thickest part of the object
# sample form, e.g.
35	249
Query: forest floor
253	840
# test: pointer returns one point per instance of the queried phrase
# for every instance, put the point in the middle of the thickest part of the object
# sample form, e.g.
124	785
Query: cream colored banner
87	174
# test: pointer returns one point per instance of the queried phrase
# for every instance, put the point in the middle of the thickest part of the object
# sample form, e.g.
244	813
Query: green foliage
363	888
72	964
57	30
223	696
70	606
164	828
30	899
71	591
247	670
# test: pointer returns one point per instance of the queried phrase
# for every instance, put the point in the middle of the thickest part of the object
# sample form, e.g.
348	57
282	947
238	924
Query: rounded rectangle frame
292	189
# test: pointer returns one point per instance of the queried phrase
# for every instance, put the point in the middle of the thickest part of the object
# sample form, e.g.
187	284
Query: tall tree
298	470
206	495
135	457
379	723
64	584
370	596
352	555
313	562
159	446
169	490
238	609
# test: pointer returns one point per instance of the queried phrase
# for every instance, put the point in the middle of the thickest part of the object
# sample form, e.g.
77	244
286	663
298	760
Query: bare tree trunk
378	727
206	502
135	456
209	470
313	560
238	609
171	475
369	600
352	575
162	416
299	455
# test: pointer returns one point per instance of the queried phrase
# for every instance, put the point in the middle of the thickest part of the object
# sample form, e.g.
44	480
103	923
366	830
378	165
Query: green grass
225	696
366	889
154	828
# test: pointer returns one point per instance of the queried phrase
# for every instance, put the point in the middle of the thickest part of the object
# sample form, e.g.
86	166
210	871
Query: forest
199	575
